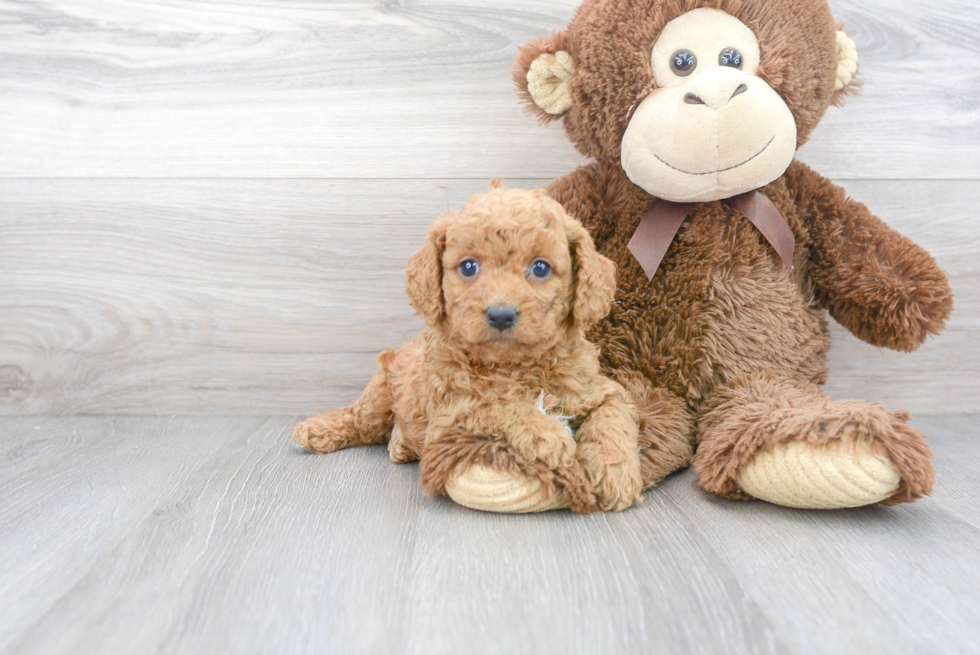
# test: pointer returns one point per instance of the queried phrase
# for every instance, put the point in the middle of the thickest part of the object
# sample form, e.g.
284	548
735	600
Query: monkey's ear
543	72
847	64
595	277
423	276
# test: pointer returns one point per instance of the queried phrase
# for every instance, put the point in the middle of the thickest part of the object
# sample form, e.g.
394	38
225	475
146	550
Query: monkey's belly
763	321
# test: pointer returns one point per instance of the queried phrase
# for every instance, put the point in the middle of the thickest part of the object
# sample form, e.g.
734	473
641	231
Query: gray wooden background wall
206	206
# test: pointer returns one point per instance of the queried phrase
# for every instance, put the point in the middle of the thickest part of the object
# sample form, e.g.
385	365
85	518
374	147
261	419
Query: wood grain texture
404	88
199	535
71	492
156	296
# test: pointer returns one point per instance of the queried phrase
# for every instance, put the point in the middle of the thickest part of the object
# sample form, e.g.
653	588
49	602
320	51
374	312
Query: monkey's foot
785	441
827	476
489	490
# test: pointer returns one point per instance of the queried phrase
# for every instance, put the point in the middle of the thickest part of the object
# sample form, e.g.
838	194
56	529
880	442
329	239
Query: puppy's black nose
501	317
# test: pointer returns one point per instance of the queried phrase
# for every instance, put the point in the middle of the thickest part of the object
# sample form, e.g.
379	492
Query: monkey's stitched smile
720	170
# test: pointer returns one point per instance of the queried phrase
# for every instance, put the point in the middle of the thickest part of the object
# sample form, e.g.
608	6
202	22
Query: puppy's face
507	280
508	275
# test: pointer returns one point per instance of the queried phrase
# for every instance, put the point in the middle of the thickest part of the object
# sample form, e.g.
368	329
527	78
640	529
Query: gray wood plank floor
217	535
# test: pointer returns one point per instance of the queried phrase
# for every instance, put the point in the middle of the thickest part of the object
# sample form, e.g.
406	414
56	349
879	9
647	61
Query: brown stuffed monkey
729	252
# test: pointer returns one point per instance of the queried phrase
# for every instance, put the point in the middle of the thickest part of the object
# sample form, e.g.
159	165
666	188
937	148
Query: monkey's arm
880	285
577	193
592	194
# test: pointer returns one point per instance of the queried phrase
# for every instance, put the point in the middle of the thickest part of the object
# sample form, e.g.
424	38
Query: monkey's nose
694	99
501	317
716	89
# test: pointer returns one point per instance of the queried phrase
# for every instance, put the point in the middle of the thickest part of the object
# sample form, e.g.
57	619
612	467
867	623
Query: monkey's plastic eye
730	57
540	269
469	268
683	62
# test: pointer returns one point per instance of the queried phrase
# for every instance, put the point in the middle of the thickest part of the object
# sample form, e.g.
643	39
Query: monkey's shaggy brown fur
466	393
725	346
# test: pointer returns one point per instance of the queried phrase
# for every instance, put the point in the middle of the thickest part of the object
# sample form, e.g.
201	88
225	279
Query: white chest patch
555	411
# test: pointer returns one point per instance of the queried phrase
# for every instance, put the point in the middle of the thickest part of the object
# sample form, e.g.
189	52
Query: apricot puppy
501	384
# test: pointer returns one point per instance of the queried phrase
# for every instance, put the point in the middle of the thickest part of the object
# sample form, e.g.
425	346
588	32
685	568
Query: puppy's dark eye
730	57
540	269
469	268
683	62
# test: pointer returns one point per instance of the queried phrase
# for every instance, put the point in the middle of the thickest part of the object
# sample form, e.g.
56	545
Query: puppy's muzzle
501	317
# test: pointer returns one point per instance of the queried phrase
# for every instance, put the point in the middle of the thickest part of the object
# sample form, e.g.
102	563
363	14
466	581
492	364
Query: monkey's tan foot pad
829	476
483	488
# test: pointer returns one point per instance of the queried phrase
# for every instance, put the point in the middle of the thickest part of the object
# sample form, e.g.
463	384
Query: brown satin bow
659	226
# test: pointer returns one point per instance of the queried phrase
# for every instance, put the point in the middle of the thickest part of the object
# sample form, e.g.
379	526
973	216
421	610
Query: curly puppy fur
466	392
725	347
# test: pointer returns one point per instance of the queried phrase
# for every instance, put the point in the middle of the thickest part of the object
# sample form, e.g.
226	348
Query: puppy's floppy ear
595	277
423	277
543	73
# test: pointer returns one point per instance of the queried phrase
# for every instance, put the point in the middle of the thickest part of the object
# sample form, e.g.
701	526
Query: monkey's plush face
712	128
697	100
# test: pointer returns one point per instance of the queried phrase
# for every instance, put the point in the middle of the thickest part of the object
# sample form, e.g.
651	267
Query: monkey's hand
877	283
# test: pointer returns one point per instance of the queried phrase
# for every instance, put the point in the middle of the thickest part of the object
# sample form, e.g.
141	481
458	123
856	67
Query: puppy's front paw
552	444
617	484
619	489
